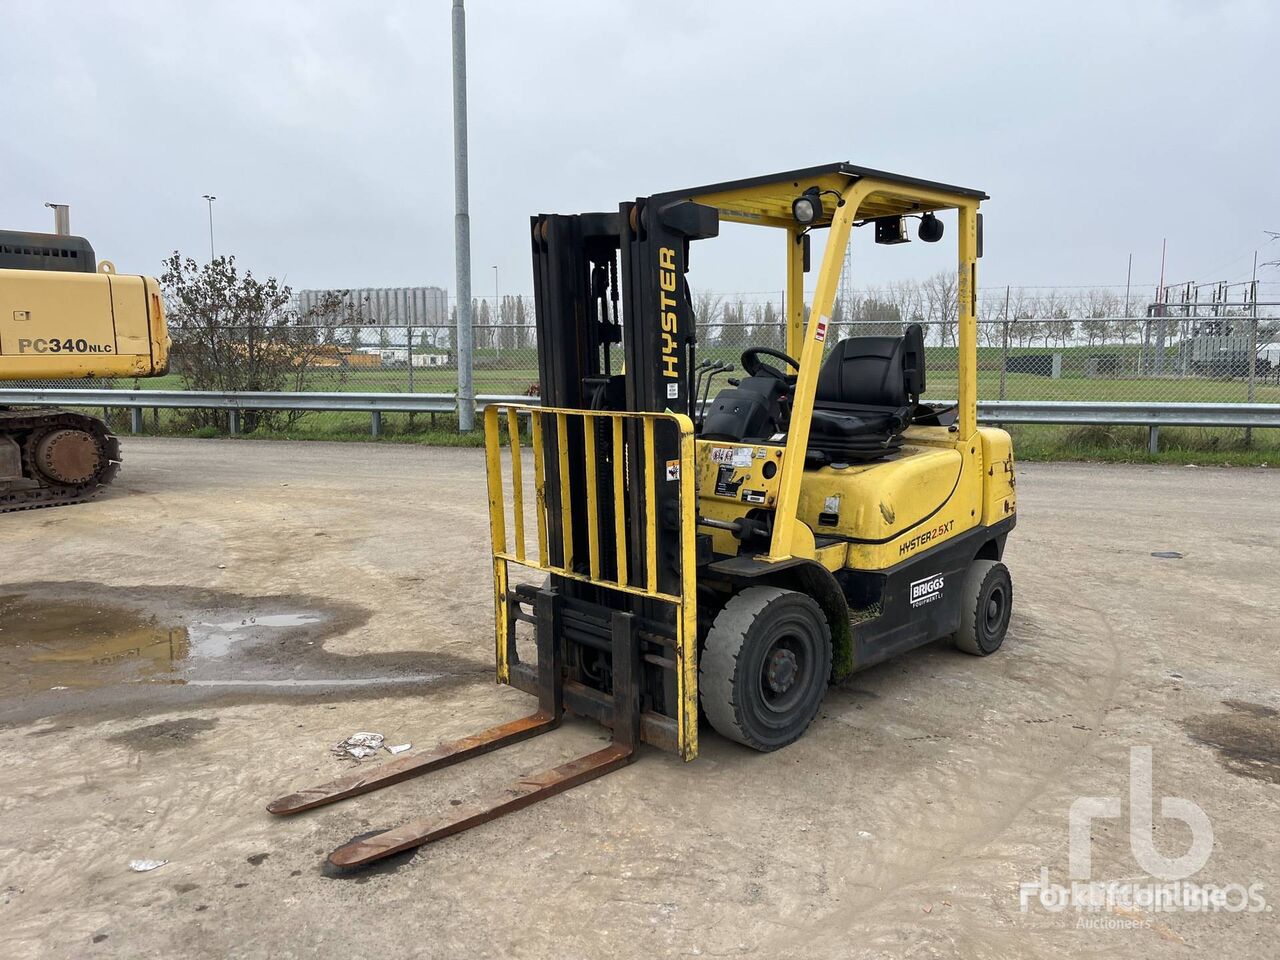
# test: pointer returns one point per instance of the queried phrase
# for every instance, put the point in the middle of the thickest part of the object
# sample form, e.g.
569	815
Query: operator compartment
868	394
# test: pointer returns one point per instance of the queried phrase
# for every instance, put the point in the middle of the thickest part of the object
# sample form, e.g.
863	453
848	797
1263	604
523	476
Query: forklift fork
525	791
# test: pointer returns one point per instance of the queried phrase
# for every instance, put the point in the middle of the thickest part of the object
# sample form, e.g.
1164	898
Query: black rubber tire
985	606
742	698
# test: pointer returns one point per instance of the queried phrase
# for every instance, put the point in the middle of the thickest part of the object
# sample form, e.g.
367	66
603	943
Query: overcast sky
324	129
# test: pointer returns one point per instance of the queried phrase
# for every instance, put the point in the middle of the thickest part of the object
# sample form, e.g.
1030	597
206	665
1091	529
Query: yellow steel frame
513	550
859	197
795	292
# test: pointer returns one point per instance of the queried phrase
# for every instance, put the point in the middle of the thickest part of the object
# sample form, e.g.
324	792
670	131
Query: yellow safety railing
622	449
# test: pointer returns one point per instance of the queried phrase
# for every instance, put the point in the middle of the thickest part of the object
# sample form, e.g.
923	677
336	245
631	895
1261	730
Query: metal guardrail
1156	414
1152	415
235	403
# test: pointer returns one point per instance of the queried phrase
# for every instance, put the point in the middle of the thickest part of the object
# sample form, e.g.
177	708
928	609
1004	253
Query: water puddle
77	646
215	639
47	645
74	646
1247	738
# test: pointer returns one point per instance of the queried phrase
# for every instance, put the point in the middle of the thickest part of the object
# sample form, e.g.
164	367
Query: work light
807	207
930	228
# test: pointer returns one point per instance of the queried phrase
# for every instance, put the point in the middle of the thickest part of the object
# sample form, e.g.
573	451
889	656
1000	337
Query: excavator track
52	458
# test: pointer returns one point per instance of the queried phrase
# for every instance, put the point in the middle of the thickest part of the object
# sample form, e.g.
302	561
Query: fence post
1153	439
1004	350
409	354
375	423
233	422
135	419
1253	346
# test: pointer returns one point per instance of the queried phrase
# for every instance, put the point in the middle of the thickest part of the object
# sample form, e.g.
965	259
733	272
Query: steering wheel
754	366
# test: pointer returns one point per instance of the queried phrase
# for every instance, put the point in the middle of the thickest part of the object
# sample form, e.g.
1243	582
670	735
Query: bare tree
1095	306
770	319
1055	323
707	317
1022	310
991	320
941	306
907	297
1271	236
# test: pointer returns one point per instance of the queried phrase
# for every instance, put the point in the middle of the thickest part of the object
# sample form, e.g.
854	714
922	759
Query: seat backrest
874	371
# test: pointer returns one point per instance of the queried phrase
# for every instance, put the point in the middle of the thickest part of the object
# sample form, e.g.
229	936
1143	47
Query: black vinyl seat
868	389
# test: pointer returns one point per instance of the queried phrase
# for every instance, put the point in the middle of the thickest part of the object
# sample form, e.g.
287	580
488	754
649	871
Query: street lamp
210	198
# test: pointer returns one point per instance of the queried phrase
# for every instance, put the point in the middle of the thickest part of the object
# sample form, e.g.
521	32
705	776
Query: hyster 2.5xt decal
922	538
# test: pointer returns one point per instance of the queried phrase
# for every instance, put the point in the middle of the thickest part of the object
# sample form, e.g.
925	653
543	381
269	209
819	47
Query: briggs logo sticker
927	590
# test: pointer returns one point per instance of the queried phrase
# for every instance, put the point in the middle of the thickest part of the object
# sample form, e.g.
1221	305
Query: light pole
210	198
462	223
497	315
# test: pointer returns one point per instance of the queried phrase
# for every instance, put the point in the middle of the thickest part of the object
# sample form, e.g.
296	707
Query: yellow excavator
65	316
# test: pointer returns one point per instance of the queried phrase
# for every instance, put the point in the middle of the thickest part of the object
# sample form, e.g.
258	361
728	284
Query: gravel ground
191	646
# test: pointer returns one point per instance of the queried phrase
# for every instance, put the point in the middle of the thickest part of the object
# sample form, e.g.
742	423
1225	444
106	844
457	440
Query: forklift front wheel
765	667
985	606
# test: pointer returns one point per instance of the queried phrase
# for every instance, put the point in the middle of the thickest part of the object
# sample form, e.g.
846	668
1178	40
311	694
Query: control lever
698	371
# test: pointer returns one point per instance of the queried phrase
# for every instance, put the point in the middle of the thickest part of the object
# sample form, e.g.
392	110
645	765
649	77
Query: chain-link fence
1231	354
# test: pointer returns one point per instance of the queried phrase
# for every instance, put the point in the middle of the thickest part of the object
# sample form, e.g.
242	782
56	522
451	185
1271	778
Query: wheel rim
993	615
784	673
68	456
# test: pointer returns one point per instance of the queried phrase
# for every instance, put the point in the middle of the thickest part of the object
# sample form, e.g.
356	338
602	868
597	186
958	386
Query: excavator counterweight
63	316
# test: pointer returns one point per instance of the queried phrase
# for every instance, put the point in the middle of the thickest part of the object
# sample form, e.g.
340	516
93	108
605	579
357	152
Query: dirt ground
191	646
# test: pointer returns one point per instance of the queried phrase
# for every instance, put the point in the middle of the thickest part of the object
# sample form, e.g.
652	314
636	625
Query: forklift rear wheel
985	606
765	667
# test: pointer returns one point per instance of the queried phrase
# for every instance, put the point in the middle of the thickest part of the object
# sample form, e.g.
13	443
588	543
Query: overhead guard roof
767	200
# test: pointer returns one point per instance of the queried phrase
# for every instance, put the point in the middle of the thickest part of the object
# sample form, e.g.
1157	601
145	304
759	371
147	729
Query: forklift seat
868	389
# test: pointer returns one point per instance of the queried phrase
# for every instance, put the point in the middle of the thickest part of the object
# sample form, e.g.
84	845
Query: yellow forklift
732	558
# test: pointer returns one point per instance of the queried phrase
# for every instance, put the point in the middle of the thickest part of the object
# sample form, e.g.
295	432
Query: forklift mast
577	296
585	311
